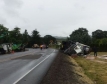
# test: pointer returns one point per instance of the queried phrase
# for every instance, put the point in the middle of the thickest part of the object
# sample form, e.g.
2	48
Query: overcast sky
54	17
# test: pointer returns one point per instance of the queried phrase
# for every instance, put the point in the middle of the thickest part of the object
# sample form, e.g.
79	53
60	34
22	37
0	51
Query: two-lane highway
27	67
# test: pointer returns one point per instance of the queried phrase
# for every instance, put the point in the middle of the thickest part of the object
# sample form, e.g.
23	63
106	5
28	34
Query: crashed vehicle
70	47
5	48
9	47
18	47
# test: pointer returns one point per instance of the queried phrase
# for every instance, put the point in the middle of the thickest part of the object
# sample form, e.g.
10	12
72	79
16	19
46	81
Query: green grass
94	70
99	53
54	46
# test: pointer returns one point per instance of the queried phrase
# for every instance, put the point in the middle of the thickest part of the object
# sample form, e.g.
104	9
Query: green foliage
98	38
48	38
81	35
15	36
35	38
99	34
100	43
95	70
26	37
104	41
3	34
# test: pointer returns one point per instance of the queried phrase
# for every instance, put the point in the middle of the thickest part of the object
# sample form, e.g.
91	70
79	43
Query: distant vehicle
35	46
45	46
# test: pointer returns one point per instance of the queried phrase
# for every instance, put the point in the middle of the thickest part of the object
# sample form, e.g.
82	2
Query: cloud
13	3
56	17
9	12
3	20
10	7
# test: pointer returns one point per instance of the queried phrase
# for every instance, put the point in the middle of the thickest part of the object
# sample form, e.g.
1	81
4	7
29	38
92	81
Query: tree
98	34
25	37
35	37
3	34
47	39
16	36
81	35
105	34
99	38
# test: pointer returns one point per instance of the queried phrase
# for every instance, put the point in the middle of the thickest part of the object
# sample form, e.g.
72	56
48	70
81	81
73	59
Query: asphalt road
27	67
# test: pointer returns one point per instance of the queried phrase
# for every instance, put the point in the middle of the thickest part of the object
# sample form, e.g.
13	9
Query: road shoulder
65	70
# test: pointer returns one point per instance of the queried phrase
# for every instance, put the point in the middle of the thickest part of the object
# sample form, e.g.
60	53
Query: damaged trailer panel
74	48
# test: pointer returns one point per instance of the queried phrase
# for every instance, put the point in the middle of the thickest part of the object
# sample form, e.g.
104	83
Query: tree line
16	37
98	38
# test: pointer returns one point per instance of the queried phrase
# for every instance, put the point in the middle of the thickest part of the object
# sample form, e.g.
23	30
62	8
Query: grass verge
94	70
65	70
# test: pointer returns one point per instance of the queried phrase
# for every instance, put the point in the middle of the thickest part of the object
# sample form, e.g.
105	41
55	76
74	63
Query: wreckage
9	47
70	47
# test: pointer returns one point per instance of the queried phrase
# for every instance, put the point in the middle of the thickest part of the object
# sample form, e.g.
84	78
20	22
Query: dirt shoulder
99	59
65	70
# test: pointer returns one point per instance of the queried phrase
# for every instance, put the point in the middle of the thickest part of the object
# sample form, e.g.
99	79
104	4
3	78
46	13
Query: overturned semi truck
70	47
9	47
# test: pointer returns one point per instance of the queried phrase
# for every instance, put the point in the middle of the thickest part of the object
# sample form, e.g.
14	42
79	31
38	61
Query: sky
54	17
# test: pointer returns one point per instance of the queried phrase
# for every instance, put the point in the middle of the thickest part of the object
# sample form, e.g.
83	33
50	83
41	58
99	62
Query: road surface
27	67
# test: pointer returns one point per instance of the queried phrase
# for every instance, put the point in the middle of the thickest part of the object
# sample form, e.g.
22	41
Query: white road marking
32	69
